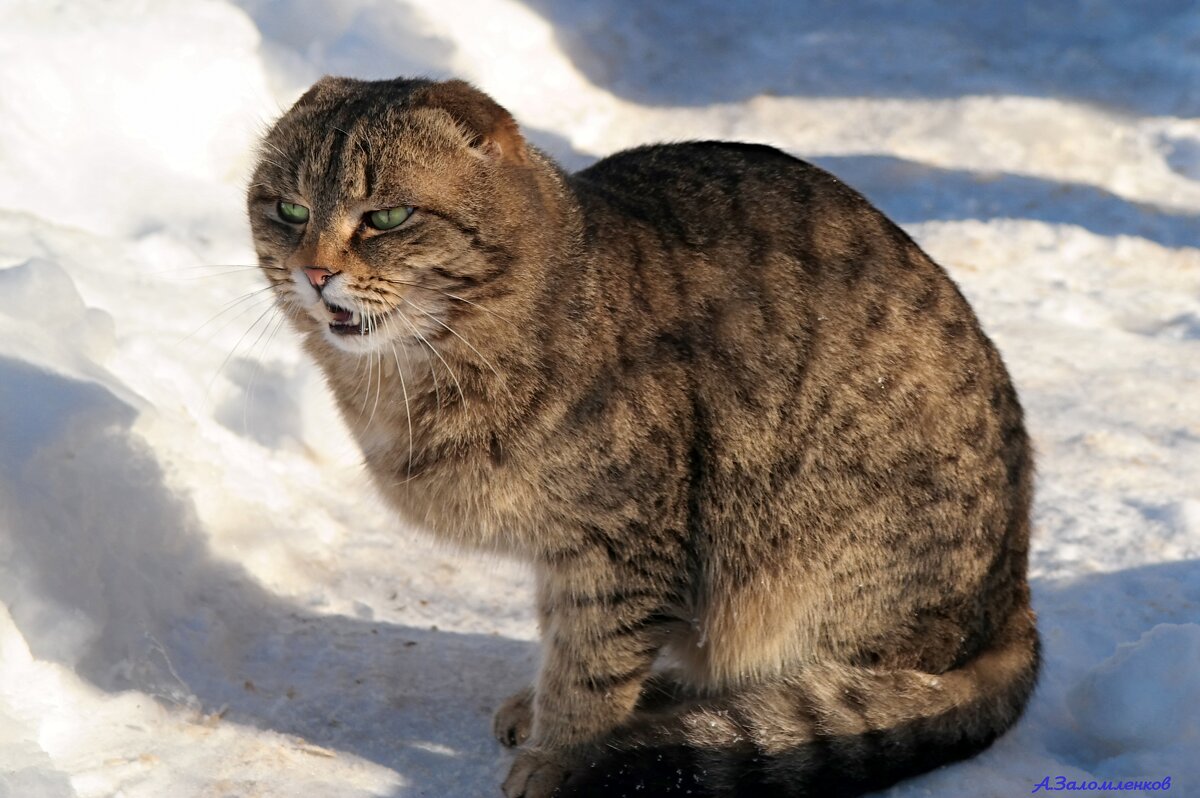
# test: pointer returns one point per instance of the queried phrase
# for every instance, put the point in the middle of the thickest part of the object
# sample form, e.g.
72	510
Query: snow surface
201	596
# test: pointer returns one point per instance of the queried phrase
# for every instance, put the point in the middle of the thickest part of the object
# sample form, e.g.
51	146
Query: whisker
453	332
367	394
210	275
237	345
358	385
407	409
454	376
432	371
462	396
370	320
274	325
476	305
253	297
449	295
249	267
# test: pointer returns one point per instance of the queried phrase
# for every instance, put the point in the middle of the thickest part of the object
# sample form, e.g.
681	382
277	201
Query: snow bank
117	114
199	594
1138	699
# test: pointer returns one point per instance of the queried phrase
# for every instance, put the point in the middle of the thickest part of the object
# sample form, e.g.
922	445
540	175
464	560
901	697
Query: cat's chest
469	494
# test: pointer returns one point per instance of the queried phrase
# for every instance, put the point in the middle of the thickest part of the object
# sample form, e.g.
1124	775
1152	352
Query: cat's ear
491	130
325	87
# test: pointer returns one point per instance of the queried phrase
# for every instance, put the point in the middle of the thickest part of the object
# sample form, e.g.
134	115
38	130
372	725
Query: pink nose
317	276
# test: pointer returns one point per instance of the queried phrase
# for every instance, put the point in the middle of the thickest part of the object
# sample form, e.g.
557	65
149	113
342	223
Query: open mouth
348	322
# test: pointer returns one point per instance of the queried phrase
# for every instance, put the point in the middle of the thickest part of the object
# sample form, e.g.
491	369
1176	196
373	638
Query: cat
771	476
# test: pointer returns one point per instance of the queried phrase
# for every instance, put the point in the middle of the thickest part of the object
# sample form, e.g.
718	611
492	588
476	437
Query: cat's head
382	209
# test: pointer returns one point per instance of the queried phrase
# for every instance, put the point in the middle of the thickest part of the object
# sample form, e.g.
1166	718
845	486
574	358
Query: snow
1119	716
201	596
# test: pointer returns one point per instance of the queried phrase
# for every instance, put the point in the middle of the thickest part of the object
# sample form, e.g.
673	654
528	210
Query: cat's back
804	315
696	193
721	172
703	232
725	215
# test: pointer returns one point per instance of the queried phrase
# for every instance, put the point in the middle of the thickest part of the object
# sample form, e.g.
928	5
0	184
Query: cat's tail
828	731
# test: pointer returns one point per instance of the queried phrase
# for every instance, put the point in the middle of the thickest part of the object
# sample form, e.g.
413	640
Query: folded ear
493	131
325	88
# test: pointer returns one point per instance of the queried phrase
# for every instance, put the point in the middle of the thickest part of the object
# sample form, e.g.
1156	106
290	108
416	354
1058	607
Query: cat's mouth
349	322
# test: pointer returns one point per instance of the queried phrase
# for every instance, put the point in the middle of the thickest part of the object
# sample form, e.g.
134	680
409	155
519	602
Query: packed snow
201	596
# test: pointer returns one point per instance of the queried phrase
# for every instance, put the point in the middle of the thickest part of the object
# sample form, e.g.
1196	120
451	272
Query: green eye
290	212
392	217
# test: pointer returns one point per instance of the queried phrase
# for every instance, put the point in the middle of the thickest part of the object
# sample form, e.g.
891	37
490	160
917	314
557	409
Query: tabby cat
771	476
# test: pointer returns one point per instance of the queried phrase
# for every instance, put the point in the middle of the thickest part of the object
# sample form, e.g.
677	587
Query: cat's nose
317	277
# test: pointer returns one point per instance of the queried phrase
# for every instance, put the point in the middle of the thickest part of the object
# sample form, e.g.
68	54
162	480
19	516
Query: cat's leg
513	721
600	636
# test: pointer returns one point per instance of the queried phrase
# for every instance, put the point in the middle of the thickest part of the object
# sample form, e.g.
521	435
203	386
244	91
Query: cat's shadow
108	572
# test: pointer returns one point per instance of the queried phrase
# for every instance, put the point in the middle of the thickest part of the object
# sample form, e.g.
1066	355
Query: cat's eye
390	218
291	212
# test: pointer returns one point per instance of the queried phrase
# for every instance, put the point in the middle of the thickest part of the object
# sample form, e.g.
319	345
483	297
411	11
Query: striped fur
771	475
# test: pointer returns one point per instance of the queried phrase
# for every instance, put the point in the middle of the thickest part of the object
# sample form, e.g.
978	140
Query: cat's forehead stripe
337	172
346	165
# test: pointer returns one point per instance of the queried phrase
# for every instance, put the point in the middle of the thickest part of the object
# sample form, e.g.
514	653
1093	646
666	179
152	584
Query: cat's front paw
514	719
535	774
